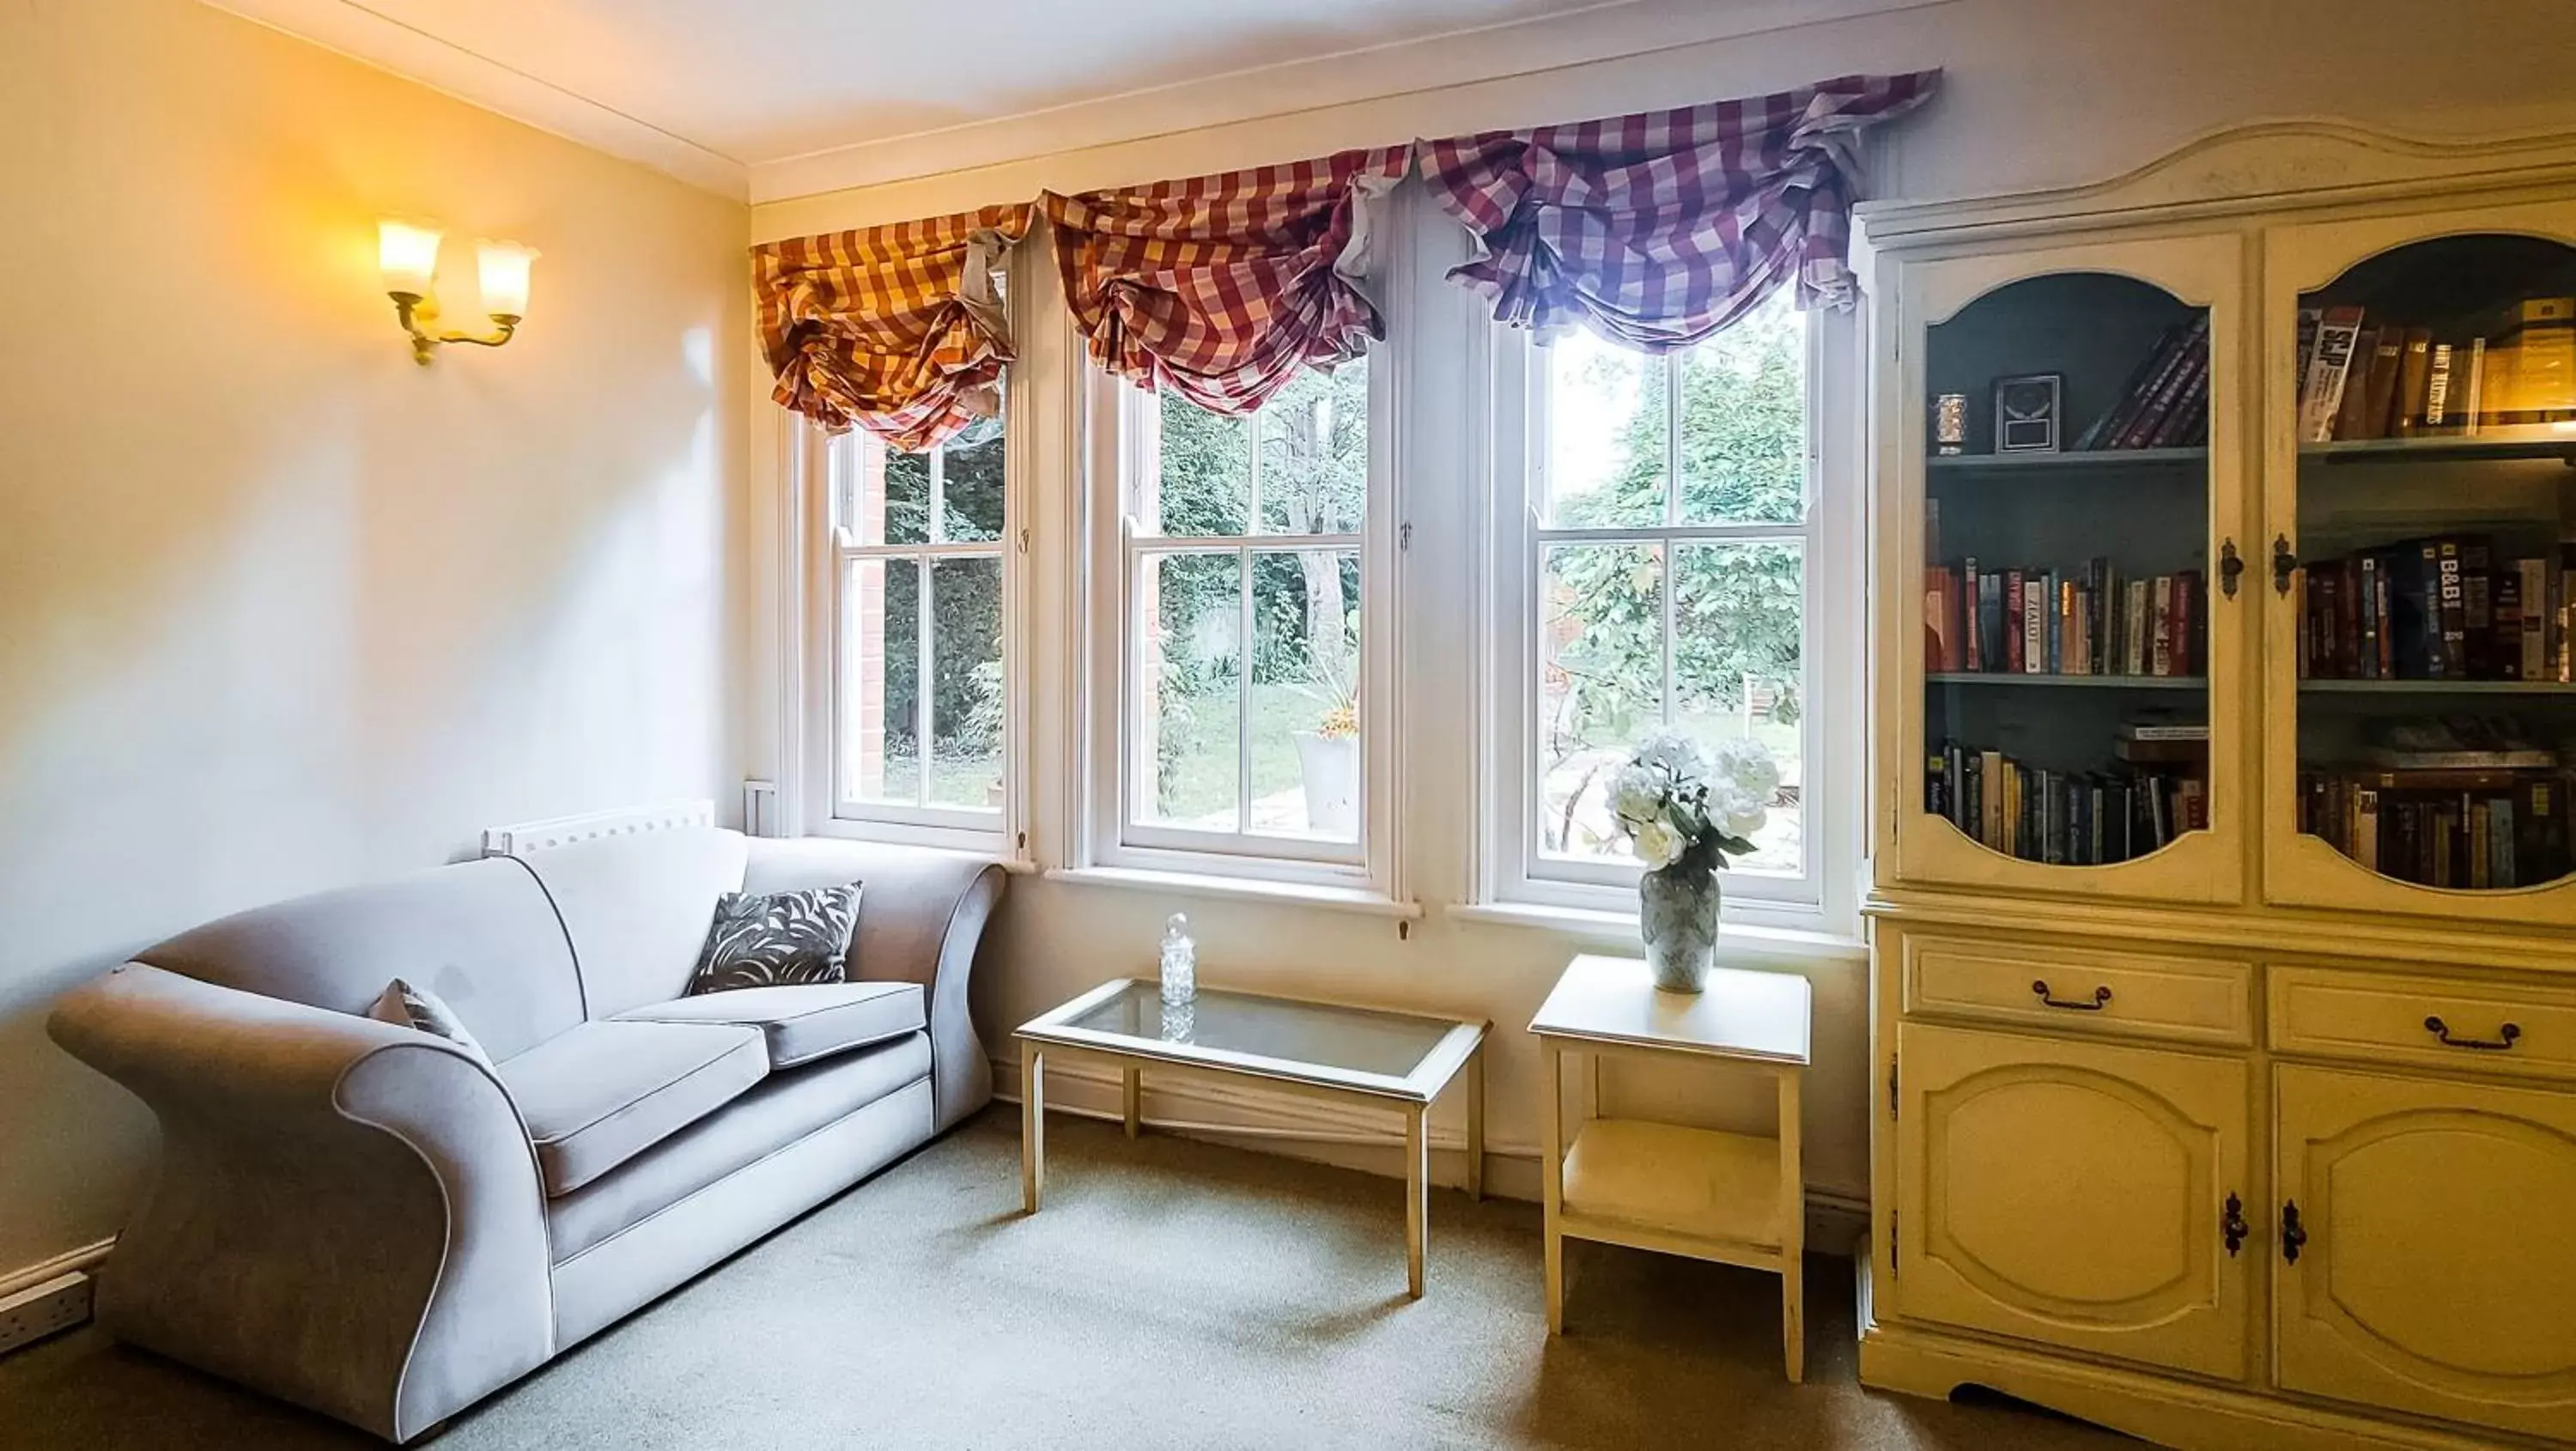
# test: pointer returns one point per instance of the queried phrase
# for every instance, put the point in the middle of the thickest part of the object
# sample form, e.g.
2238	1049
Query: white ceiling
770	98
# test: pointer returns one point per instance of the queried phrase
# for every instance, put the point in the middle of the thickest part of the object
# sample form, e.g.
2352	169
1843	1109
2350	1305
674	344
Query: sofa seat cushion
782	1112
805	1022
602	1093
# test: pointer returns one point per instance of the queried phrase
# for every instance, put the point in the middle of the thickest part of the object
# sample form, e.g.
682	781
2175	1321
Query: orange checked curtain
1221	287
896	329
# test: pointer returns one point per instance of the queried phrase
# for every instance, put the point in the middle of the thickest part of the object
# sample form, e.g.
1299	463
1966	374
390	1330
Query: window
1658	574
919	723
1248	574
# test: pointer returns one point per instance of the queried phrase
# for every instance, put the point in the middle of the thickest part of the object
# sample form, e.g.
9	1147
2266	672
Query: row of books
2041	622
2390	380
2478	830
2441	608
2165	403
2062	818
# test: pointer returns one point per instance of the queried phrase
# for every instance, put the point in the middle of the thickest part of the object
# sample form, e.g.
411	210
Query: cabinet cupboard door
2437	1274
2074	1194
2061	613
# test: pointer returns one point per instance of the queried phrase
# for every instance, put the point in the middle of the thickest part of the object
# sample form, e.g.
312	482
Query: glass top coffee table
1397	1060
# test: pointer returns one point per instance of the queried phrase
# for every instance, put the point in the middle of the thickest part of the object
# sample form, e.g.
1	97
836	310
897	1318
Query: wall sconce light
407	256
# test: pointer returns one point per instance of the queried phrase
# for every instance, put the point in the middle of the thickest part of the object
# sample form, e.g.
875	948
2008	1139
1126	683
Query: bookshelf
2433	428
2066	559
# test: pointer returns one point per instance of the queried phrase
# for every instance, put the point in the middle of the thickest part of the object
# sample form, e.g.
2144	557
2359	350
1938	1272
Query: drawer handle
2502	1042
2101	998
2294	1236
2232	1225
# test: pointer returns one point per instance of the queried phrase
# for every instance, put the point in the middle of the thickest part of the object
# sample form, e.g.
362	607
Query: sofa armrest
921	916
346	1213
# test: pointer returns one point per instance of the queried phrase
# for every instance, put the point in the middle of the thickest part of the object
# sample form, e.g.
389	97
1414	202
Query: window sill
1196	884
1733	939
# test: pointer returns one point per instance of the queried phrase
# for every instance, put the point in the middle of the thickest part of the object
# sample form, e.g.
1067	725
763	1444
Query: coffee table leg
1131	1098
1417	1199
1476	1123
1032	1126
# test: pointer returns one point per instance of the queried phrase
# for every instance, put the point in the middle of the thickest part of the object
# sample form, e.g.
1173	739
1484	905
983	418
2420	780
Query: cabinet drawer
2366	1016
2115	994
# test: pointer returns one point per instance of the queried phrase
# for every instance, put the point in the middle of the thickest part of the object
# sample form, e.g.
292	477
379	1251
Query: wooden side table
1737	1199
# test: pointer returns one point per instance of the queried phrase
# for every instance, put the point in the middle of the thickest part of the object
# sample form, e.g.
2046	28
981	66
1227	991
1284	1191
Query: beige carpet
1173	1294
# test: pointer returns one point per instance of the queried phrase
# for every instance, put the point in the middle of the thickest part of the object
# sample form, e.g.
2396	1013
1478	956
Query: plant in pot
1328	757
1685	810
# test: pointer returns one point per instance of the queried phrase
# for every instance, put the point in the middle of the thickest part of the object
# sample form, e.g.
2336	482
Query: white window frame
1513	870
826	484
1121	423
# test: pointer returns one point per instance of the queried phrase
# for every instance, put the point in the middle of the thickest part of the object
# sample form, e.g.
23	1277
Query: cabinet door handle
2101	998
2230	565
2502	1042
2232	1226
2293	1237
2285	562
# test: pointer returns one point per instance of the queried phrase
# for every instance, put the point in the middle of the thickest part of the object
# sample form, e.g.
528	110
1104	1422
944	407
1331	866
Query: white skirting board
1351	1136
27	1277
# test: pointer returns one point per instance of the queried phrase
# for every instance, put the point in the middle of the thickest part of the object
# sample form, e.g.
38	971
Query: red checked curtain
896	329
1659	229
1222	287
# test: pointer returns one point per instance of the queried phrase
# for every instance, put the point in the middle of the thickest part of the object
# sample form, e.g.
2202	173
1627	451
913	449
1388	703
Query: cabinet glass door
2072	571
2424	416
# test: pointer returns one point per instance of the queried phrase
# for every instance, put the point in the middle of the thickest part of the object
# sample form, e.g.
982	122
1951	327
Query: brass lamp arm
412	310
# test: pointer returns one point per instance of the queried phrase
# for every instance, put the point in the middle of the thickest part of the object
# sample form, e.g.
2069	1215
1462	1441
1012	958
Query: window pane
966	683
1608	439
1738	669
971	482
1183	749
1305	693
1203	480
1744	420
1601	663
1314	453
894	497
880	650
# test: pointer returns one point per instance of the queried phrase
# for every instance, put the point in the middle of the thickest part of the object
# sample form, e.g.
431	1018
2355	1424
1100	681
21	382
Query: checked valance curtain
1659	229
896	329
1222	287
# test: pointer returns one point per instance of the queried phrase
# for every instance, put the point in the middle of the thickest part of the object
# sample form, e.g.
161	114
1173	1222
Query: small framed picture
2026	412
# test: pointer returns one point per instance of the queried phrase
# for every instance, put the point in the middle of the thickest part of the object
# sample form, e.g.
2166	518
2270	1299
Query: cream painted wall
278	609
2039	93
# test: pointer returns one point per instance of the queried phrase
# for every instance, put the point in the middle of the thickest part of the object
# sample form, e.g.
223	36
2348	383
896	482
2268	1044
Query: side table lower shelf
1689	1191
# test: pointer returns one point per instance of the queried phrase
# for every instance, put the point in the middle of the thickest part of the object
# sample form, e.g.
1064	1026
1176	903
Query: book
2437	391
2406	415
2016	629
2322	400
2533	648
2160	626
2168	390
2474	374
2376	356
2150	373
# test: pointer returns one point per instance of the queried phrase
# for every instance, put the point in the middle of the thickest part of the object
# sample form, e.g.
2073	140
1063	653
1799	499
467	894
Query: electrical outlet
50	1308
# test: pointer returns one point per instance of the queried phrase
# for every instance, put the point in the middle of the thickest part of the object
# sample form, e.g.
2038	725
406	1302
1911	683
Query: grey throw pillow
778	940
406	1006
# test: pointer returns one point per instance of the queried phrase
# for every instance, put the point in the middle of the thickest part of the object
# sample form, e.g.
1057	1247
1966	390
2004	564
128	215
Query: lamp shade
407	255
504	266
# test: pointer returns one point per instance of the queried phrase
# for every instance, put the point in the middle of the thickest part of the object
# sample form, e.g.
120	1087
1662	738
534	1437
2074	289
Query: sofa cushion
602	1093
782	1111
803	1023
406	1006
778	940
636	908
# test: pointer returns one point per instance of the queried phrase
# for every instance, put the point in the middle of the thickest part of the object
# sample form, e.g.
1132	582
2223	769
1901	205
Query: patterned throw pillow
779	940
406	1006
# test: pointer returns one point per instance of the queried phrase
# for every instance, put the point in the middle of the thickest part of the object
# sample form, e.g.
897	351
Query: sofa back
637	908
481	935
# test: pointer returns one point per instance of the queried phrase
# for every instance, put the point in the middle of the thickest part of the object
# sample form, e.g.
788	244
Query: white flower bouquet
1682	806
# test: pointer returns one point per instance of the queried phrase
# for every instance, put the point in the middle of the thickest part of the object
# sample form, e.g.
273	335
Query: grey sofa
362	1219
